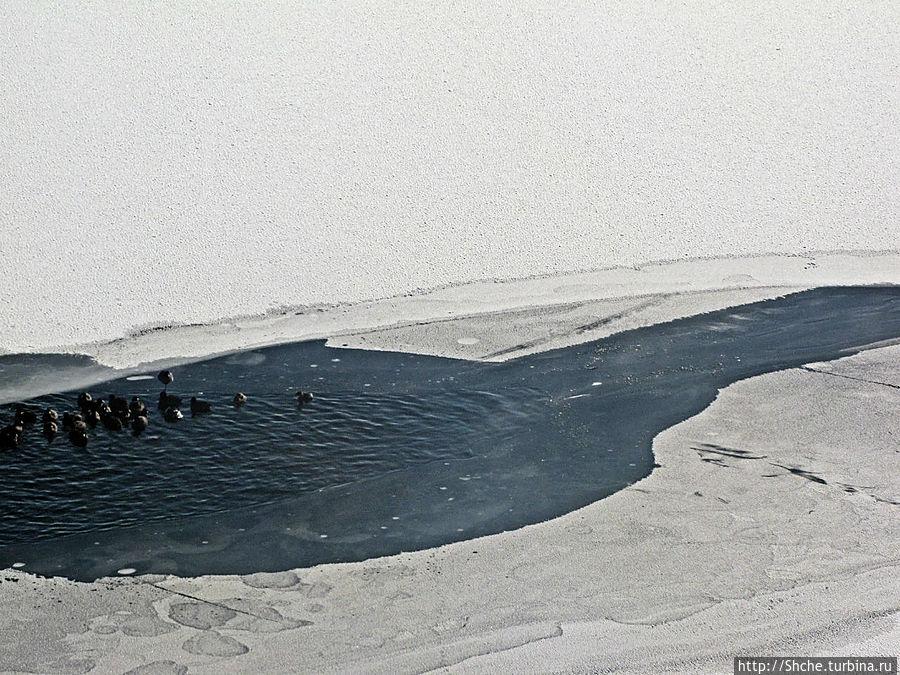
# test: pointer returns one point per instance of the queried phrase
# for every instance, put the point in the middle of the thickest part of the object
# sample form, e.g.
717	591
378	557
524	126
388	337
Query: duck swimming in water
119	407
113	422
168	401
69	420
25	416
50	415
137	407
50	430
94	404
304	397
9	437
198	406
85	400
172	415
166	377
239	399
78	438
139	424
92	418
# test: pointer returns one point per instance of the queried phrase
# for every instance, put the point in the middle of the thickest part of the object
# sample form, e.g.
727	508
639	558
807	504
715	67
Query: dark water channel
397	452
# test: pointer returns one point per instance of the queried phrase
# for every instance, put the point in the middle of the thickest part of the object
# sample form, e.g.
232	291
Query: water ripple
263	452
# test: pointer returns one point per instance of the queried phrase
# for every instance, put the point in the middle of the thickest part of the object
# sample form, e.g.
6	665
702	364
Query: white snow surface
185	162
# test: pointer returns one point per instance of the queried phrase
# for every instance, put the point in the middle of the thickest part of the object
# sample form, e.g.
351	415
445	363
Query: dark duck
172	415
24	416
119	407
168	401
166	377
78	438
137	407
70	420
198	406
50	430
9	437
139	424
92	418
112	422
85	401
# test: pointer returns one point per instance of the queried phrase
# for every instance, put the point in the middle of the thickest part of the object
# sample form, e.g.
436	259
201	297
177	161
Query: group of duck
115	415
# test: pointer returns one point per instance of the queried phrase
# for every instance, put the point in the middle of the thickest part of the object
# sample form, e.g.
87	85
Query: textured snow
175	164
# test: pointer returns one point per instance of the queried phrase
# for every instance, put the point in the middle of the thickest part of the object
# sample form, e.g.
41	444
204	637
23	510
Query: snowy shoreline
746	277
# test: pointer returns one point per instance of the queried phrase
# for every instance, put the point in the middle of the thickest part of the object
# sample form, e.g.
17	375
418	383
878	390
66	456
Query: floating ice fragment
126	571
248	359
135	378
596	384
18	565
323	536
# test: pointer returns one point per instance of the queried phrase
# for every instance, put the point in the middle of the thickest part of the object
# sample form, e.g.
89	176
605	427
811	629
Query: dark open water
397	452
